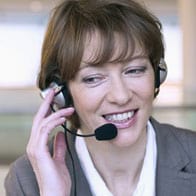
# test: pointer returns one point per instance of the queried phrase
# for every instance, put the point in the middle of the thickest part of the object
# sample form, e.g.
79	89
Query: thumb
59	147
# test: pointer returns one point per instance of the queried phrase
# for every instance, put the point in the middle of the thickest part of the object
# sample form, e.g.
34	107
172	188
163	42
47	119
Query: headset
62	97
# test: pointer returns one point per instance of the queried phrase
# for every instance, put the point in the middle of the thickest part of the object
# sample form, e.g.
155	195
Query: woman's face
118	93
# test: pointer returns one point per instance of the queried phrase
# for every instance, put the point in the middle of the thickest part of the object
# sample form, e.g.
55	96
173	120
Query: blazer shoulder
179	132
167	134
21	179
184	135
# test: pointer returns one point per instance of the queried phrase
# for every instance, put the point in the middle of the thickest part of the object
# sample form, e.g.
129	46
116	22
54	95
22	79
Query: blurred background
22	27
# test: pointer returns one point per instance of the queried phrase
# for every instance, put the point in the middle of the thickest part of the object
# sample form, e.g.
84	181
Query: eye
135	71
93	80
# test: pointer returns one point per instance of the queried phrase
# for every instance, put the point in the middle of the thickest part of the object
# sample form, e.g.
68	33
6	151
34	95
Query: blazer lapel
172	178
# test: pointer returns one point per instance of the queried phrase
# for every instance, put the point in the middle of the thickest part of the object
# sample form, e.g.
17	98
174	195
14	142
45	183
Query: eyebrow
86	64
139	57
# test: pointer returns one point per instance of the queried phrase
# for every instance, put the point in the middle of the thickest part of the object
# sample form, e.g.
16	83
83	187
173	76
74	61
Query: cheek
85	100
144	89
149	87
87	104
79	100
148	92
80	104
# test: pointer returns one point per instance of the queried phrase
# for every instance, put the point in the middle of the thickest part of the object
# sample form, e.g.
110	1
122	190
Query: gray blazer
175	175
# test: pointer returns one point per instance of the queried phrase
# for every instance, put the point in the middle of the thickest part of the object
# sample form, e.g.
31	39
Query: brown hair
73	20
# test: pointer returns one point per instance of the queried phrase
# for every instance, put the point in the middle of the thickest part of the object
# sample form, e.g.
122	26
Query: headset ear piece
59	99
161	72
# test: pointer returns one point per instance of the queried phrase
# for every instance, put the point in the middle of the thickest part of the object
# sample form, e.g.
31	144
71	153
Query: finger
41	131
48	121
59	114
40	136
45	106
59	147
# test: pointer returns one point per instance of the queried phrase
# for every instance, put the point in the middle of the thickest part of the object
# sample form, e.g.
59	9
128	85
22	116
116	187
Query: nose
119	92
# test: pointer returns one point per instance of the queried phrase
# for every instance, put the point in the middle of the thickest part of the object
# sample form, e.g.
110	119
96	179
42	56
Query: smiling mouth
120	117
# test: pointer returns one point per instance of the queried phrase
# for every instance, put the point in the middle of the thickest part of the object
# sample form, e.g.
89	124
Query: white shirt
146	183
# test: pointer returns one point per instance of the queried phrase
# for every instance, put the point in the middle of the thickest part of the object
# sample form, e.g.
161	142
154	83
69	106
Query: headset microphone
104	132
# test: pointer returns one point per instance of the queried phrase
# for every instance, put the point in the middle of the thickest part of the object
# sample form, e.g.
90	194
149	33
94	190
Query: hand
51	171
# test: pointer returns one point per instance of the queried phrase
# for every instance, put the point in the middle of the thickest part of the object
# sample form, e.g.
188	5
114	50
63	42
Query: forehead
96	51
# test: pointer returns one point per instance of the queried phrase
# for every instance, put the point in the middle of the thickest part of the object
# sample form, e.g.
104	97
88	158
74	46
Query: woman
109	57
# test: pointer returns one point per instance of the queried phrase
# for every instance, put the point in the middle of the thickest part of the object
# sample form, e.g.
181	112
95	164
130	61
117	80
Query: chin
124	140
129	138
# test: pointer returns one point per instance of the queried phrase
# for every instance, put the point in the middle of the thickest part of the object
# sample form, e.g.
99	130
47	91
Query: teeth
120	117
